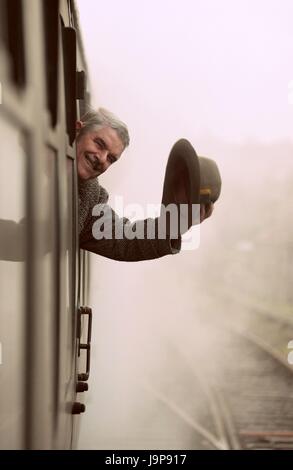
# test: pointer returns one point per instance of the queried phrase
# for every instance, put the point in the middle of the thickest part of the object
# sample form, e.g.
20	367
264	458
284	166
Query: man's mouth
92	161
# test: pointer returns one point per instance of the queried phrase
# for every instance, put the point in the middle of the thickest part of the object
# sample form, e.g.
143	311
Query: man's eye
111	159
100	144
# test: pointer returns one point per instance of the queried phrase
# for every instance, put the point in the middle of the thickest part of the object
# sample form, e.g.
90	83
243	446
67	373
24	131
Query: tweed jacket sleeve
122	248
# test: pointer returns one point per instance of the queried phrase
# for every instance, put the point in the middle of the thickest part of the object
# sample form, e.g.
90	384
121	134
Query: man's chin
85	176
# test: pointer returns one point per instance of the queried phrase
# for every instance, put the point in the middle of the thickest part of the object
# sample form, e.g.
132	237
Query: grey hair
103	118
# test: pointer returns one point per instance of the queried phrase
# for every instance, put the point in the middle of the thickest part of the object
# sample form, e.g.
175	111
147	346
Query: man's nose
103	155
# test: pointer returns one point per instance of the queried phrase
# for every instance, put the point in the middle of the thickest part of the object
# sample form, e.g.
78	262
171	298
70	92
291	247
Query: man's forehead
107	132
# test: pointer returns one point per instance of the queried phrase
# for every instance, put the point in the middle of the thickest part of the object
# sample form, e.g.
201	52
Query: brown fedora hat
190	179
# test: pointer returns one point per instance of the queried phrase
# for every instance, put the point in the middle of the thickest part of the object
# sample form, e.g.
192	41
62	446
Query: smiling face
96	150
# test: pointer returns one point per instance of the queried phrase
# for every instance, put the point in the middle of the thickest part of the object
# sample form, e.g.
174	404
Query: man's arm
107	234
121	240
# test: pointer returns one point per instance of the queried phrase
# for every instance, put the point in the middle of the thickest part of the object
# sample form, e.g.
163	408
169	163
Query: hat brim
182	176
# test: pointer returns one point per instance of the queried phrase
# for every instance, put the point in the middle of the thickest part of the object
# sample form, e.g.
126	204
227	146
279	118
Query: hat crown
210	178
189	178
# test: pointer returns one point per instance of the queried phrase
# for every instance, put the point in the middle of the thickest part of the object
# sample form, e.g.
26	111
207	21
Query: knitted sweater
121	249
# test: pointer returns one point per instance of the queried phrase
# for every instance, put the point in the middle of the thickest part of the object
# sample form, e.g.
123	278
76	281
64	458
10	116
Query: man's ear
79	125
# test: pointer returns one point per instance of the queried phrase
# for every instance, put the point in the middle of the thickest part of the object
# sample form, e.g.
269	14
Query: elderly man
101	139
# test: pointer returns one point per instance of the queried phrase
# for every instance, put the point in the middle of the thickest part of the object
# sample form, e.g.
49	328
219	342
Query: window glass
67	321
50	272
70	268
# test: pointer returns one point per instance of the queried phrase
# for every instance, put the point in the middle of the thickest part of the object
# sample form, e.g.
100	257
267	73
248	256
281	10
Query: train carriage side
43	273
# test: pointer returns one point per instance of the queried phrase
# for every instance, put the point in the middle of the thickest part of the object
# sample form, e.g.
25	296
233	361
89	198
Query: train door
39	256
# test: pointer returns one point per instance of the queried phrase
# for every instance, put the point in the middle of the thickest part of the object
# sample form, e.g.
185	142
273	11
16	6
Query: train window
50	301
51	31
67	321
69	60
71	260
14	39
13	236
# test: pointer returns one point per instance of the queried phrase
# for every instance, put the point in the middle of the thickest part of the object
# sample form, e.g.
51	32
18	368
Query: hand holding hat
191	181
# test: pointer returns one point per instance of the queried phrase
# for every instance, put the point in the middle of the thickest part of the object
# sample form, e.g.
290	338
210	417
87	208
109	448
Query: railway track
224	384
259	389
235	394
195	402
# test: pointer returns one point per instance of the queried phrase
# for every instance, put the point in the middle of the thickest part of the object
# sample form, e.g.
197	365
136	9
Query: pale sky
221	67
199	69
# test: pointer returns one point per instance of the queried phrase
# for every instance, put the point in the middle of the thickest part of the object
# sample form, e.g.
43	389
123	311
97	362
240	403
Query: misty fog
157	324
